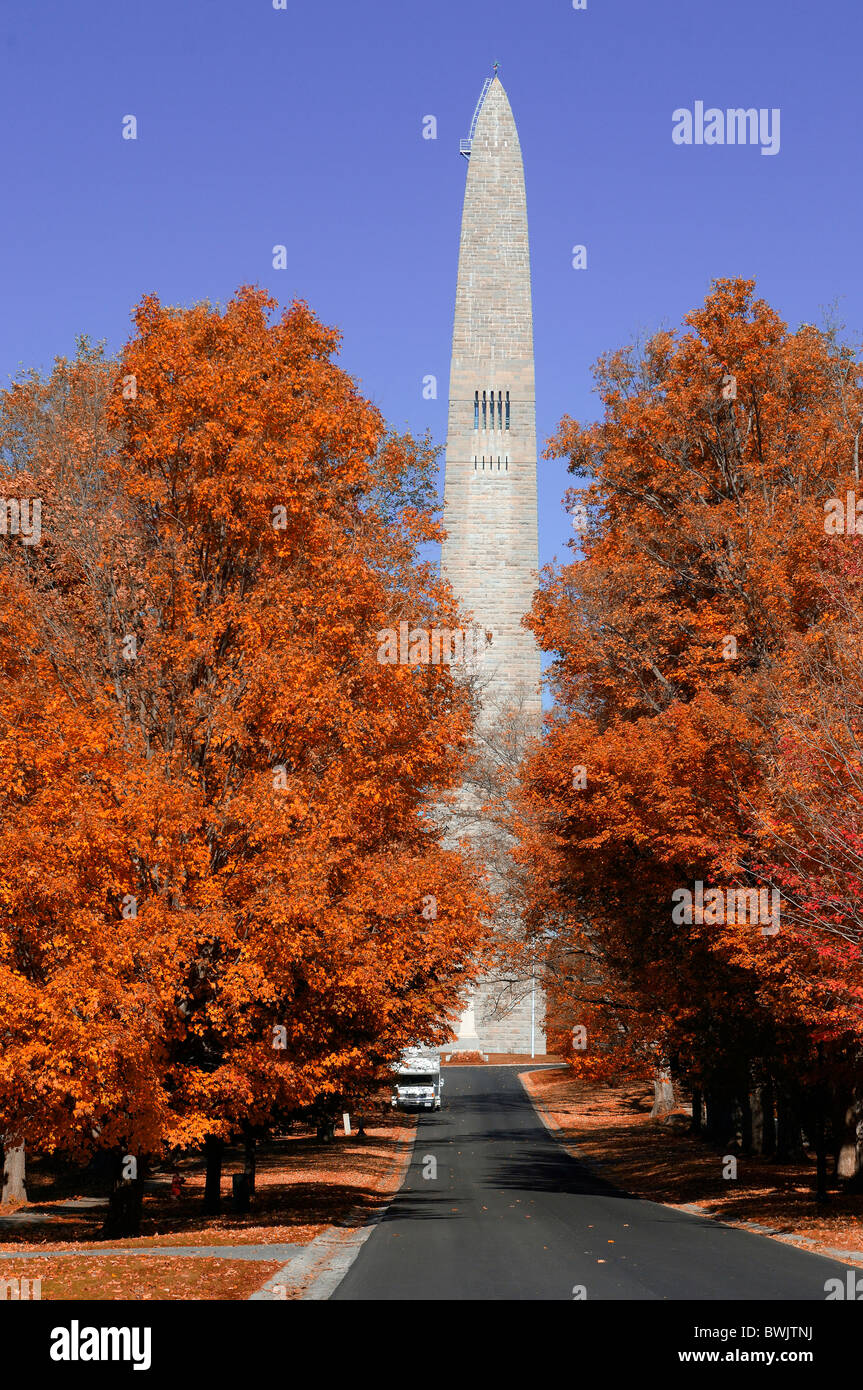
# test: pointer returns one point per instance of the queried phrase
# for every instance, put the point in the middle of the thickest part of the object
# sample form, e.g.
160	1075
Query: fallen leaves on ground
303	1188
105	1278
659	1159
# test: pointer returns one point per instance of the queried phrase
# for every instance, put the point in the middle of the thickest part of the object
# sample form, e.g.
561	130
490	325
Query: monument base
503	1019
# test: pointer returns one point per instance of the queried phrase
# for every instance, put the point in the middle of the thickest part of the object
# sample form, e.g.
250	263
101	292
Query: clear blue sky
304	127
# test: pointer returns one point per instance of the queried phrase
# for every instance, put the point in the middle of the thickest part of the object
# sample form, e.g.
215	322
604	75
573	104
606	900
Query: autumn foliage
707	674
223	891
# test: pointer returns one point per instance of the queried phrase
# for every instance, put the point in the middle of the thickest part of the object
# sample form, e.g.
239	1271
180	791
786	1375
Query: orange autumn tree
276	895
83	995
810	818
701	565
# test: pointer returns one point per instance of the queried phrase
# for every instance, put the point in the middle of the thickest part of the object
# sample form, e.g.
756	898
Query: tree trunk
250	1160
789	1139
697	1118
714	1125
746	1126
820	1150
663	1092
763	1123
124	1209
721	1128
709	1116
13	1187
740	1121
213	1152
849	1158
125	1203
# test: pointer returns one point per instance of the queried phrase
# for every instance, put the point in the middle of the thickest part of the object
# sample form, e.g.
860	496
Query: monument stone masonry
490	555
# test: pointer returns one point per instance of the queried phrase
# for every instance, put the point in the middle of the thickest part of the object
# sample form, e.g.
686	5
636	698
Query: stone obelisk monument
490	555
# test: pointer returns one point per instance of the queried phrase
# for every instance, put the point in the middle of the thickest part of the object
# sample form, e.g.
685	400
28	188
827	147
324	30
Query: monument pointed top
491	87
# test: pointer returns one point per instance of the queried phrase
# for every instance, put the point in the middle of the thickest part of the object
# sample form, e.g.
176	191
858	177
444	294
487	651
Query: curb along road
319	1269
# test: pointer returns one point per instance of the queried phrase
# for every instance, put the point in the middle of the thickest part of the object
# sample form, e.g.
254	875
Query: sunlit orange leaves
215	801
678	632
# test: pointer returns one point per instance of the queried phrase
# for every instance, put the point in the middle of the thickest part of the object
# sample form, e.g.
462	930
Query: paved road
511	1215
